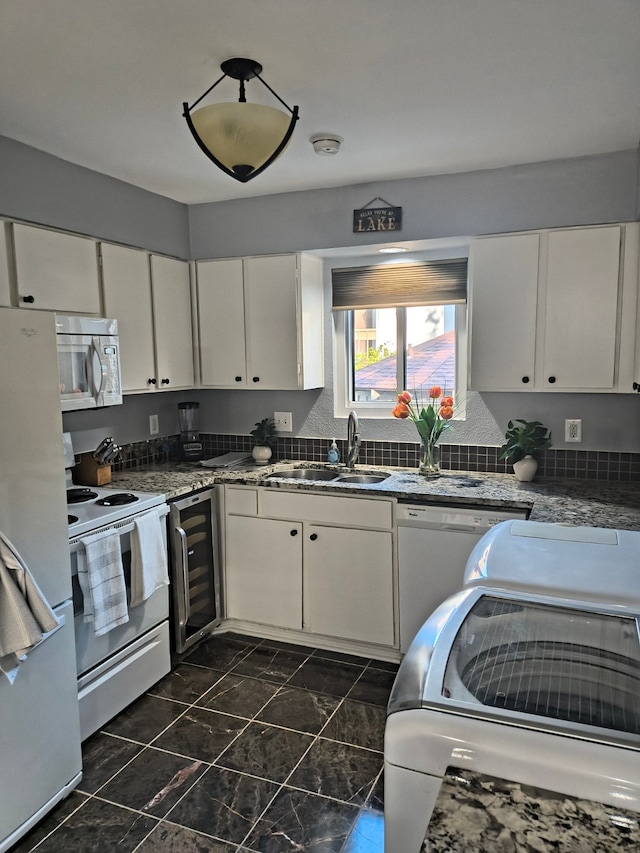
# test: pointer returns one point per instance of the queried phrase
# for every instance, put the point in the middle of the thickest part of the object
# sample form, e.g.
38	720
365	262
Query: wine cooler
195	576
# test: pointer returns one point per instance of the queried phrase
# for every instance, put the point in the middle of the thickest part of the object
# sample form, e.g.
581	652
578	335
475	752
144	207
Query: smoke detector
326	143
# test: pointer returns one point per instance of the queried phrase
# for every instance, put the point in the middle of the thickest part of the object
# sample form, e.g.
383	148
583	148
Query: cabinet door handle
525	379
151	381
256	379
164	382
238	378
313	537
552	379
293	533
30	299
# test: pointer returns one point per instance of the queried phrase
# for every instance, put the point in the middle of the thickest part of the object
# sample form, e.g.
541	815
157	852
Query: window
380	348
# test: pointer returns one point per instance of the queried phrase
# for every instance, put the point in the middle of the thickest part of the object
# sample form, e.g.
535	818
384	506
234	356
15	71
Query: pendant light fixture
241	138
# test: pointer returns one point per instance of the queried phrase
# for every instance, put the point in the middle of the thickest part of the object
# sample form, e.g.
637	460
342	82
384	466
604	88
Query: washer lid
576	563
536	664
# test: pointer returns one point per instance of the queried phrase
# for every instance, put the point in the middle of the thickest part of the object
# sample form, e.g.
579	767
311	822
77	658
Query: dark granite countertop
592	502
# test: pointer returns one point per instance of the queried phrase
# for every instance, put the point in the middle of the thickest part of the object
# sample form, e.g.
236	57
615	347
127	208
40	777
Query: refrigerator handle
185	574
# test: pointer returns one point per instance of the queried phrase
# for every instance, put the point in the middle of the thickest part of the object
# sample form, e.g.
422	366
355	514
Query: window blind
387	285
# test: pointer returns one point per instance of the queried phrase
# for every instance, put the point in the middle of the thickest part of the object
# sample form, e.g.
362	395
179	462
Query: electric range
91	507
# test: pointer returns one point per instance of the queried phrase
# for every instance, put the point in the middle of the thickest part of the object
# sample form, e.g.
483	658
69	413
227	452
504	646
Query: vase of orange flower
431	420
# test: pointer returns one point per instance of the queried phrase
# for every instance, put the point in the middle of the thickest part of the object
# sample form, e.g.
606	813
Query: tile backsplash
573	464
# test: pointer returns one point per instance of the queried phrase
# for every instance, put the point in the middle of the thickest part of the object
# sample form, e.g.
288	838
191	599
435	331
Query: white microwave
88	362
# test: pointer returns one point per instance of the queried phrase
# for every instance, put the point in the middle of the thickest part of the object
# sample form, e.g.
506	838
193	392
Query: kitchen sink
362	478
303	474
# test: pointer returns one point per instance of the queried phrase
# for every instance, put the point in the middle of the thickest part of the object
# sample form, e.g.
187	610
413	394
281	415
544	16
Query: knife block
88	472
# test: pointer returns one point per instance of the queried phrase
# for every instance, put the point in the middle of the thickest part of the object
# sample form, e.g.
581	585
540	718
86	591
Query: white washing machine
530	673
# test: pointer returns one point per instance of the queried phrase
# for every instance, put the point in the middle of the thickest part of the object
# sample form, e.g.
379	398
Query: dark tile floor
248	745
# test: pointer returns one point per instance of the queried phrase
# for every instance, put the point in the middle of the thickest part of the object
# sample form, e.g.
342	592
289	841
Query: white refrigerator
40	756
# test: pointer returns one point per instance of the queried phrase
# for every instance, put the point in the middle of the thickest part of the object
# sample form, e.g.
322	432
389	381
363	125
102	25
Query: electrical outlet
154	427
573	429
283	421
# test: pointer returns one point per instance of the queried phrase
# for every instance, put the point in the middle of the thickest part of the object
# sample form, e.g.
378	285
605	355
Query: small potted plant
525	441
264	440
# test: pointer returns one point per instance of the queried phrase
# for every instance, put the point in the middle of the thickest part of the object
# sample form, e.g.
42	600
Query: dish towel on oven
148	558
25	615
101	580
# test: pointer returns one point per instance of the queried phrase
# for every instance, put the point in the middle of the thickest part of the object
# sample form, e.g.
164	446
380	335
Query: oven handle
185	574
121	527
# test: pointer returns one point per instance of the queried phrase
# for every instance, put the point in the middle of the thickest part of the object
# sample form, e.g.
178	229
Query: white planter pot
525	469
261	455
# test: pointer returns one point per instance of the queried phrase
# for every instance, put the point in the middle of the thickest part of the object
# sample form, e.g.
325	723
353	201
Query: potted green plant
264	440
525	441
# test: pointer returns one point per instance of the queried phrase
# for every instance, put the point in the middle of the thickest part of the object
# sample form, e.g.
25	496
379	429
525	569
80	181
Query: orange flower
404	397
435	391
446	401
446	413
401	411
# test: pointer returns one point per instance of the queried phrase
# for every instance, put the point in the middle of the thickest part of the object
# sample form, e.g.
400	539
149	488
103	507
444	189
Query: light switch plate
283	421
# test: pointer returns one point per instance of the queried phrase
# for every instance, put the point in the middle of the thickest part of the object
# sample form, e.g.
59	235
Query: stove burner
76	496
71	519
118	499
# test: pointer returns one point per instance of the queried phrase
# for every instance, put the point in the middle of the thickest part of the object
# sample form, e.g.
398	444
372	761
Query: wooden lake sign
368	219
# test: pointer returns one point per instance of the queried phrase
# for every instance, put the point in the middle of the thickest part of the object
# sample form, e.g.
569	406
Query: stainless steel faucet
353	440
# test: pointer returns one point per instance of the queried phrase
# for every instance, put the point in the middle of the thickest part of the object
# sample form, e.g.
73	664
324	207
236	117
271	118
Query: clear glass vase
429	459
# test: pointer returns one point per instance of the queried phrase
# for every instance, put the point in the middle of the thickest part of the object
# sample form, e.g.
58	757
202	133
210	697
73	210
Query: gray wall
42	189
584	191
39	188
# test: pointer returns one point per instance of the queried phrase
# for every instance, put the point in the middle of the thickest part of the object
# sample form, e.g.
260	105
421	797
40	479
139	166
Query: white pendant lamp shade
242	136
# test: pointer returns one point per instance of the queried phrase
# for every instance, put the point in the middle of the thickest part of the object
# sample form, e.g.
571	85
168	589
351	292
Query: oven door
92	650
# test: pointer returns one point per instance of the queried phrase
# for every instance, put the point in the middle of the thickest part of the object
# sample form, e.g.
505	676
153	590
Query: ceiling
414	87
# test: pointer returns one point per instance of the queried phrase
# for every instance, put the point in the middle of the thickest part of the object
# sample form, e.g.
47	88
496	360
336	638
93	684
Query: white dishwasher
434	543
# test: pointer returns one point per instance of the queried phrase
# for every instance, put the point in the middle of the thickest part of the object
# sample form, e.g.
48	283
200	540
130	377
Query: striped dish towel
101	578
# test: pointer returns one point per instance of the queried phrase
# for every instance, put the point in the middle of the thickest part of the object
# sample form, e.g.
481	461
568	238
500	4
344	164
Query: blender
190	444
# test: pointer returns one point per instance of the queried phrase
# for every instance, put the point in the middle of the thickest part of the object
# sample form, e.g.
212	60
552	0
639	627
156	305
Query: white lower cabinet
348	583
322	564
262	570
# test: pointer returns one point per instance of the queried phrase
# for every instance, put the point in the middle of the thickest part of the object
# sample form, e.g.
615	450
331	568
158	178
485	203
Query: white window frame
341	368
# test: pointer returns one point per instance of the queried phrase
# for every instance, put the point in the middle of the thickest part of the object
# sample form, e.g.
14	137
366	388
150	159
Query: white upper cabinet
56	271
546	310
260	322
221	323
5	289
126	283
503	272
151	299
580	317
171	288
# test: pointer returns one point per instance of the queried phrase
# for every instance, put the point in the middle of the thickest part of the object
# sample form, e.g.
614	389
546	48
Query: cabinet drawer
326	509
241	501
